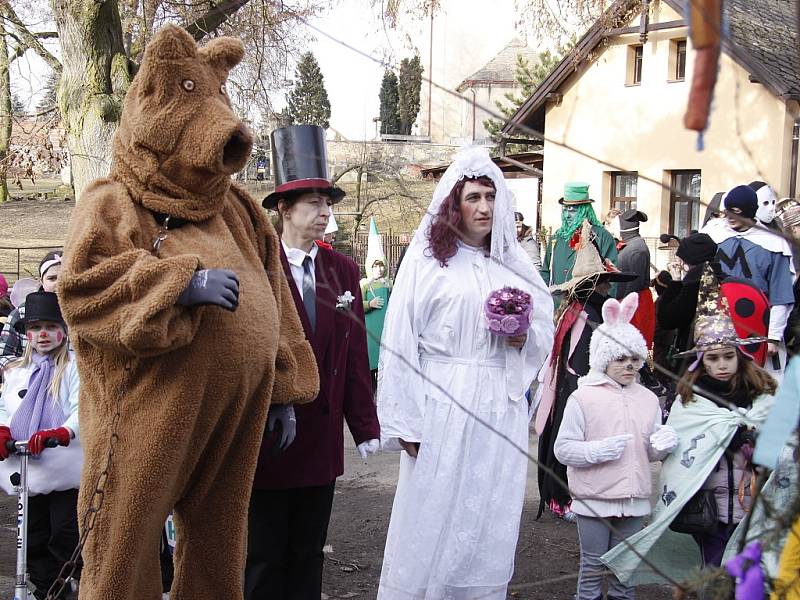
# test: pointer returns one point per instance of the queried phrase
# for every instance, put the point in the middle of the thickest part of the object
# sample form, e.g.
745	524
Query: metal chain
99	494
95	503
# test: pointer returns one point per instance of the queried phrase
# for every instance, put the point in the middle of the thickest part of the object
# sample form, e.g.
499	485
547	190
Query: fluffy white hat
616	337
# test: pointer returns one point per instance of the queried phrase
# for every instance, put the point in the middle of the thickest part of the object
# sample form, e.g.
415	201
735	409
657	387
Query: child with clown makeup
39	403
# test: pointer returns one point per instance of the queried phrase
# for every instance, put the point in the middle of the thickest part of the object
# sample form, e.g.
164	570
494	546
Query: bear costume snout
237	149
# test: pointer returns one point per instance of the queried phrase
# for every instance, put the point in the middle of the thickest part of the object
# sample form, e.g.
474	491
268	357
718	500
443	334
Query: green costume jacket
560	258
373	317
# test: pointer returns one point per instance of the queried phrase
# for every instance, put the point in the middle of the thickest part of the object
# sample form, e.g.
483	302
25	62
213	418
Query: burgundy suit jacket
316	457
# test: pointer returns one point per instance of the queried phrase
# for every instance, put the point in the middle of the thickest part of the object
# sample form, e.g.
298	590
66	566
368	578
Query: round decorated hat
788	212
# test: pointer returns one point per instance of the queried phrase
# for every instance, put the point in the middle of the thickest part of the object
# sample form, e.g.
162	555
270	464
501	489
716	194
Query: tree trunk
5	112
94	78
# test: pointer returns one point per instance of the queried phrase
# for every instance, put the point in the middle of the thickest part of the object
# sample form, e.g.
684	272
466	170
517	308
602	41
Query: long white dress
455	519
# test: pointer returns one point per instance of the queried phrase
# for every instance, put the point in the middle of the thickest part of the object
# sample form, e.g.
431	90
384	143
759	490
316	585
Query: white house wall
603	125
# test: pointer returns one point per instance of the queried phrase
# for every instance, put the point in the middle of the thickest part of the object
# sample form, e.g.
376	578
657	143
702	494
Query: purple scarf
38	409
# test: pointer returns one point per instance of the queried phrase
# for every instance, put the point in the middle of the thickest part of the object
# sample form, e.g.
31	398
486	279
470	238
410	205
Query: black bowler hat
630	219
40	306
300	163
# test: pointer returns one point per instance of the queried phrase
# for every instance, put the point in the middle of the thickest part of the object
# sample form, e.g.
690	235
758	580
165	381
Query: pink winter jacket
608	410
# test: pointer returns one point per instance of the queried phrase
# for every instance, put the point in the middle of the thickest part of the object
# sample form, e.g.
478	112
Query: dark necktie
309	293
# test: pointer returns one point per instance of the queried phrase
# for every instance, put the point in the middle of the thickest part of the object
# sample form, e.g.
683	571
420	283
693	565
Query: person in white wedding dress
451	395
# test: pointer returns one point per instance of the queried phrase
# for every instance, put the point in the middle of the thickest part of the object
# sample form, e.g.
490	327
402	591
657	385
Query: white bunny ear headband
617	313
616	337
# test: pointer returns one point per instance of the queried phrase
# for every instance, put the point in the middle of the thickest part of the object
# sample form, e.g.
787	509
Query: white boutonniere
344	301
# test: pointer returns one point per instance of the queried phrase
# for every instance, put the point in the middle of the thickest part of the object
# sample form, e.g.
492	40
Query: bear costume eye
188	85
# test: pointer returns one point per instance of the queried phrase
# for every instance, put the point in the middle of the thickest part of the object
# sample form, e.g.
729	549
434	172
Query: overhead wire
529	131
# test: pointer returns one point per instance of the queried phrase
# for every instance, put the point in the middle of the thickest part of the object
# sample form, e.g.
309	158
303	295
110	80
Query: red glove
38	439
5	436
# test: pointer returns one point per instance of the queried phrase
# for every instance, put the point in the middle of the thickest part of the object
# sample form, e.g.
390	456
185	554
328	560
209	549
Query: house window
680	60
684	202
677	59
623	190
635	55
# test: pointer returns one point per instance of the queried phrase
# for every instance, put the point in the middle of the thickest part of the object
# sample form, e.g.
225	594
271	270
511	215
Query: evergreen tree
308	102
49	100
528	76
18	108
390	120
409	87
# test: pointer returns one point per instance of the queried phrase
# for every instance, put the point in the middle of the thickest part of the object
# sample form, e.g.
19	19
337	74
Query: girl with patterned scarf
39	403
723	400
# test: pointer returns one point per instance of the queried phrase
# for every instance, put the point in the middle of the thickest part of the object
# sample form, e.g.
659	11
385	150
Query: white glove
367	448
664	439
608	449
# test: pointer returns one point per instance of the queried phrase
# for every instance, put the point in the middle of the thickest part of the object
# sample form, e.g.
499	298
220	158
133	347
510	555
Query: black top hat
40	306
300	163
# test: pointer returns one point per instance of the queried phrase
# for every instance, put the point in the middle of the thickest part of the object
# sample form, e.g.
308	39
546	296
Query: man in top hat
584	295
576	207
634	257
293	488
748	250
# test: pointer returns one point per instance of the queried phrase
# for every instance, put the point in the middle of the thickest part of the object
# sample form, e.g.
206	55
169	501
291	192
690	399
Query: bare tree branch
31	40
215	17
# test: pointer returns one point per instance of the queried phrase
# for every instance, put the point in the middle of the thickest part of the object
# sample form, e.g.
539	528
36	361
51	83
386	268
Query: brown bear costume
199	379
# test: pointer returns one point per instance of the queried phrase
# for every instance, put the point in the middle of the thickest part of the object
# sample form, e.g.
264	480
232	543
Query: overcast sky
352	80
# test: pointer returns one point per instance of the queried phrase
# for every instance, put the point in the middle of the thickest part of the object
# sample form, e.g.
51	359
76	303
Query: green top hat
576	192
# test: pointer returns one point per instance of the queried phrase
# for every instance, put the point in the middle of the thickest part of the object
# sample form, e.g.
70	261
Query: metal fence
393	246
22	261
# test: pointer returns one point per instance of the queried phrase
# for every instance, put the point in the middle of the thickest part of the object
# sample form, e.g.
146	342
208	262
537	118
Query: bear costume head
179	140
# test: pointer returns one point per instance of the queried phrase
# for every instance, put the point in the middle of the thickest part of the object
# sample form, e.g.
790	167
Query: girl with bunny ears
610	432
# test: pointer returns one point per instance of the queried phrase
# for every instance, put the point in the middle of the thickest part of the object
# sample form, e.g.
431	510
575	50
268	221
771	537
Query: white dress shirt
295	256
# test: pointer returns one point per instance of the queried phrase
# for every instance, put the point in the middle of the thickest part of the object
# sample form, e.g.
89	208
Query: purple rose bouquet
508	312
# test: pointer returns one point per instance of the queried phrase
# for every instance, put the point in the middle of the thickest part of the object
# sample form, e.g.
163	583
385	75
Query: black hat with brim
609	276
300	164
40	306
303	186
563	202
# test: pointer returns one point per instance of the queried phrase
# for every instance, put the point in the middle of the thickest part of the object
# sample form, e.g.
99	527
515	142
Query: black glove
283	415
211	286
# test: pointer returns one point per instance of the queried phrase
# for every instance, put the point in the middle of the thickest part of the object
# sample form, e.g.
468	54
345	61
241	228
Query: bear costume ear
171	43
223	53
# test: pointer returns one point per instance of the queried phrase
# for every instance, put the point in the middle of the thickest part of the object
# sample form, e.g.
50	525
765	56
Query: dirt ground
547	553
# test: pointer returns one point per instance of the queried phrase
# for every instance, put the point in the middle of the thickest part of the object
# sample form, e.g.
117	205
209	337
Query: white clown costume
456	513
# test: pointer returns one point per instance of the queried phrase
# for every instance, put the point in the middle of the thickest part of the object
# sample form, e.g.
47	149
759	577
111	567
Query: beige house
489	85
455	43
612	113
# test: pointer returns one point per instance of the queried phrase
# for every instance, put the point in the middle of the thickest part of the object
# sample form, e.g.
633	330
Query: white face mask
614	229
766	204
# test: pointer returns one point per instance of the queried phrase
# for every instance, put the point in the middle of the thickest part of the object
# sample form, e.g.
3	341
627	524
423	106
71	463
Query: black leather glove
212	286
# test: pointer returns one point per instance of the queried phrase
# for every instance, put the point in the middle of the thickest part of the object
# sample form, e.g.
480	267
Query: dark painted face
569	213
